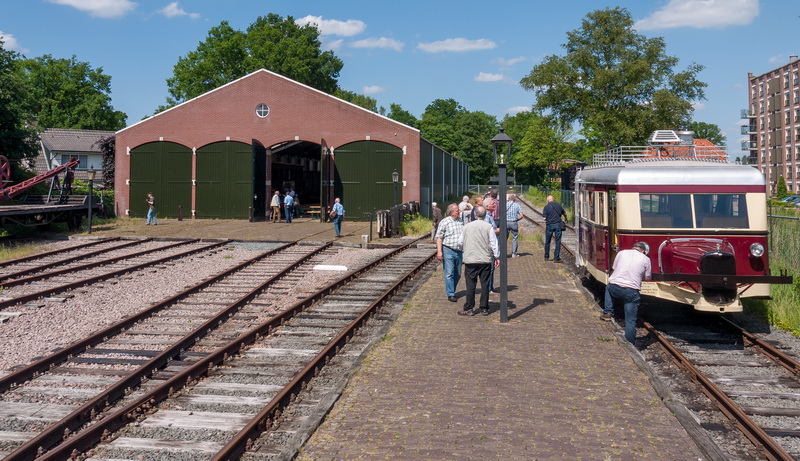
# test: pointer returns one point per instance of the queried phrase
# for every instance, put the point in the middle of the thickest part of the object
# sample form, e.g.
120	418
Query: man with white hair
513	215
464	209
436	216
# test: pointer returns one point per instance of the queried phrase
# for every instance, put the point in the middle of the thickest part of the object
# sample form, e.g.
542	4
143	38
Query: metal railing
388	221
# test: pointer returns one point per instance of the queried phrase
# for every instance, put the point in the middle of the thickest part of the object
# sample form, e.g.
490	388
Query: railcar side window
721	210
665	210
592	216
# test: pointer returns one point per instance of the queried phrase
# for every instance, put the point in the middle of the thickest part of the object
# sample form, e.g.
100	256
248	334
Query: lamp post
395	180
501	148
90	174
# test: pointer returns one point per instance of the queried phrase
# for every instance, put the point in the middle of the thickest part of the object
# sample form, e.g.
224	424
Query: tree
68	93
708	131
397	113
780	189
18	135
539	152
615	80
271	42
107	148
437	124
358	99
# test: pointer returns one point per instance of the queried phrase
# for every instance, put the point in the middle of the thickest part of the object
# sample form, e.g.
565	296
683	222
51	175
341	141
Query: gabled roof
65	140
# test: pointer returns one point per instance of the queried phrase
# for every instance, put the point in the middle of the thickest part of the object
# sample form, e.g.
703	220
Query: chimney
792	57
687	137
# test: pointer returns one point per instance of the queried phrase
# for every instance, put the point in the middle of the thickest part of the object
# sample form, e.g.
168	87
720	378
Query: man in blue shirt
288	202
513	215
337	220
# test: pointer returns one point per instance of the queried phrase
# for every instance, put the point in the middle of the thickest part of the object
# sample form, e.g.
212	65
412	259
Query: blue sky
411	52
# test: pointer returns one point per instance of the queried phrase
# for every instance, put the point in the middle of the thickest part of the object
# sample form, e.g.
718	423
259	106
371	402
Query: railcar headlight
756	250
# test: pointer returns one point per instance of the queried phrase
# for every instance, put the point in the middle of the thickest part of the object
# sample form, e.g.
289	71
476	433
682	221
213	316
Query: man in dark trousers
480	253
630	268
553	212
436	217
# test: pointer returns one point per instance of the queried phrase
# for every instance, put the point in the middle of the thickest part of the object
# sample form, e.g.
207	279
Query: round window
262	110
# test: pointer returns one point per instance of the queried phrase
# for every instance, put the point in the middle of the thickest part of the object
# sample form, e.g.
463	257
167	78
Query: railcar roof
672	172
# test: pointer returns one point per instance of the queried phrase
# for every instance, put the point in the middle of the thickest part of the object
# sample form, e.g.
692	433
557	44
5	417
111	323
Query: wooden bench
314	211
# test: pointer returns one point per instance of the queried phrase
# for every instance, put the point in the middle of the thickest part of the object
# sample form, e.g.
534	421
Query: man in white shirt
480	252
630	268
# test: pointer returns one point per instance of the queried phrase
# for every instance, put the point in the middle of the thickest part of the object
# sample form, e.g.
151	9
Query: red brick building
227	150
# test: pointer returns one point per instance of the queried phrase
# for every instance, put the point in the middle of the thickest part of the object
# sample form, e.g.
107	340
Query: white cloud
486	77
701	14
173	10
457	45
100	8
373	89
10	43
334	27
383	42
333	45
699	105
776	59
518	109
504	62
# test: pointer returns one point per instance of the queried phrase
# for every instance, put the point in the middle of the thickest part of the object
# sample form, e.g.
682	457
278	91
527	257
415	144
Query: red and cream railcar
705	222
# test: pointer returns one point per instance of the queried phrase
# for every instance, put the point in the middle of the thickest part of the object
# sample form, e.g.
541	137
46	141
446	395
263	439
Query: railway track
752	382
170	346
115	262
534	216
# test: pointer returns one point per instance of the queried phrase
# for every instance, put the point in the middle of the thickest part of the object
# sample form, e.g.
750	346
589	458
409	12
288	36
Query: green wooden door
224	180
363	176
165	169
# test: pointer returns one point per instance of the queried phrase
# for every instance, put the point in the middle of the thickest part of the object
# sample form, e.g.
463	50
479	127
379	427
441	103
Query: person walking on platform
337	219
436	217
465	209
448	250
288	203
276	206
629	269
480	254
151	209
513	215
552	214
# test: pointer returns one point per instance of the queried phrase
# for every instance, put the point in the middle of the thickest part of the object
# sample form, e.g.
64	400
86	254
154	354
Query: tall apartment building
774	124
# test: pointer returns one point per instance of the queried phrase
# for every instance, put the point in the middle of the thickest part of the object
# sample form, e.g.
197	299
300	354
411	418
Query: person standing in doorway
553	212
630	268
337	220
448	250
288	203
276	206
151	209
481	253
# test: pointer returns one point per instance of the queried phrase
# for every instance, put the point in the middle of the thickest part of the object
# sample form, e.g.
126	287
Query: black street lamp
501	148
91	175
395	180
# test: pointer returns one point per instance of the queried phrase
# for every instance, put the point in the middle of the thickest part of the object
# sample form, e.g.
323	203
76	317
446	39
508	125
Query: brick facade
296	112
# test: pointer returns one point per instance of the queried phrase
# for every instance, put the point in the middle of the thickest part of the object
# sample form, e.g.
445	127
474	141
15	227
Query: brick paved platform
552	383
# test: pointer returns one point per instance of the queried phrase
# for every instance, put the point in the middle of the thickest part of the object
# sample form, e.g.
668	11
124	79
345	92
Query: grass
19	251
416	226
782	310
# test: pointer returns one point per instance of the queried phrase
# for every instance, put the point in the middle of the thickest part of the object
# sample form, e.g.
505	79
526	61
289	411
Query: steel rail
67	270
53	252
97	278
71	423
98	431
63	261
768	446
243	440
774	354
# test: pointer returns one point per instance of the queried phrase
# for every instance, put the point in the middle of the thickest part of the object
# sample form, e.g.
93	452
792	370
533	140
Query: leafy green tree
18	135
615	80
67	93
358	99
271	42
708	131
437	124
540	151
397	113
107	148
780	189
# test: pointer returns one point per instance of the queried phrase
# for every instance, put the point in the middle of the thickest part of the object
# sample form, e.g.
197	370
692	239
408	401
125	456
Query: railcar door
613	240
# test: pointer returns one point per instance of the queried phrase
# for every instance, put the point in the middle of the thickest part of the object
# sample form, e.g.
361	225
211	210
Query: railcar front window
665	210
721	211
